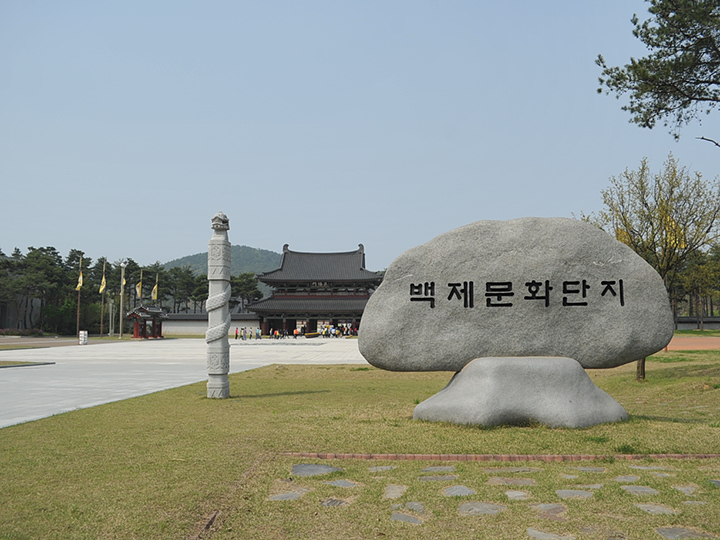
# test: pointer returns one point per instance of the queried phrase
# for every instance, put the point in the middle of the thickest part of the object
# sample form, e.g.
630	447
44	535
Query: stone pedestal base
495	391
218	386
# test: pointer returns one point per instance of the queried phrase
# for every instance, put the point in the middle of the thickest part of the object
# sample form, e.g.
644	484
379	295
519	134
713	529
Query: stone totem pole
218	354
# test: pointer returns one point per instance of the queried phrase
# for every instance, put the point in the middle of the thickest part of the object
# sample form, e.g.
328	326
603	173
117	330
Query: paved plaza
75	377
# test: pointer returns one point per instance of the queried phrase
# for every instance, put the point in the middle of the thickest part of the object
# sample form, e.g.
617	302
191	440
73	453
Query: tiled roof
329	304
147	312
296	266
203	316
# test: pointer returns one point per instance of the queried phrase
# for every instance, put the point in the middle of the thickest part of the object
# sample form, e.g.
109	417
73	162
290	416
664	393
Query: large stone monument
218	352
517	308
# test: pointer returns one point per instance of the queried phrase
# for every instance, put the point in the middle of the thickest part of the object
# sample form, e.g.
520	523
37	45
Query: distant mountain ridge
242	259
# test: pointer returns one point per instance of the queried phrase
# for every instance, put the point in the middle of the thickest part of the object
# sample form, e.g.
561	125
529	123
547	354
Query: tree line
41	287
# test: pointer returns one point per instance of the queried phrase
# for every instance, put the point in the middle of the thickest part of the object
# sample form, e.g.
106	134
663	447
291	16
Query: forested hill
244	259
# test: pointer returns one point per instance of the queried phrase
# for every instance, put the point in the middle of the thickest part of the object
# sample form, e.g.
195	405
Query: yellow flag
155	288
102	283
138	287
80	280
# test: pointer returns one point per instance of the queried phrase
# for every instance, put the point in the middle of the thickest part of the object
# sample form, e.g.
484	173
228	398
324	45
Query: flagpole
122	294
102	301
79	285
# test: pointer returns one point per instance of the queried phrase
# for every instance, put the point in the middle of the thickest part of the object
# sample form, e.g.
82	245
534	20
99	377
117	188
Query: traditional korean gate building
141	315
316	287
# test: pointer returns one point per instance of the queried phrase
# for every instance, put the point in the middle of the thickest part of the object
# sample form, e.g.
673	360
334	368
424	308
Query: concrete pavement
89	375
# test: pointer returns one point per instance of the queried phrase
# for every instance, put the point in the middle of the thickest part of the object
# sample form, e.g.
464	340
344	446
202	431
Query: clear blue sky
125	126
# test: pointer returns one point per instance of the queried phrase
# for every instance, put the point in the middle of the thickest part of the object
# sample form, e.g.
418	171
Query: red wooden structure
143	315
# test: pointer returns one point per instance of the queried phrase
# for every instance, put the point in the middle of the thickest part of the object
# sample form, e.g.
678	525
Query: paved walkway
692	343
76	377
499	490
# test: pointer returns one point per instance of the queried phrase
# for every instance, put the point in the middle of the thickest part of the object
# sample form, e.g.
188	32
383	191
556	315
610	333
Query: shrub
21	332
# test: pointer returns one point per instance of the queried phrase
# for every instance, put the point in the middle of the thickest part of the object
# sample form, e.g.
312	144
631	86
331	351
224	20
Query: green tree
133	273
42	280
10	277
156	273
181	286
6	281
664	217
680	77
698	278
199	293
245	288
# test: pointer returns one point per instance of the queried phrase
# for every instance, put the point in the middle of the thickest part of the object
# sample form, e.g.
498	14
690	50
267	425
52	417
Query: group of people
341	331
326	331
246	333
282	334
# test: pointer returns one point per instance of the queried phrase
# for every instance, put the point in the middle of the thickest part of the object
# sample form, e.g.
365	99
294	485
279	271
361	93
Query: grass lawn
158	466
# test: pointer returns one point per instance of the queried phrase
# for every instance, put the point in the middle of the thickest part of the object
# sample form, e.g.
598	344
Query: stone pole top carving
220	222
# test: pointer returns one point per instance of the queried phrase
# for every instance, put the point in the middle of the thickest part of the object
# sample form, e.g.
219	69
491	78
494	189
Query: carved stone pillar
218	352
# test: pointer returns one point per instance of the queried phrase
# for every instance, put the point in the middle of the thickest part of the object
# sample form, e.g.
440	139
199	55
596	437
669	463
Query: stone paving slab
438	478
400	516
441	468
514	495
311	469
591	486
626	478
457	491
415	506
553	512
573	493
394	491
480	509
675	533
342	483
540	535
656	508
640	490
687	490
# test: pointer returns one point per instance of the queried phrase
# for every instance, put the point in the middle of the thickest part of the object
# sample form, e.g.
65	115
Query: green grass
698	333
157	466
